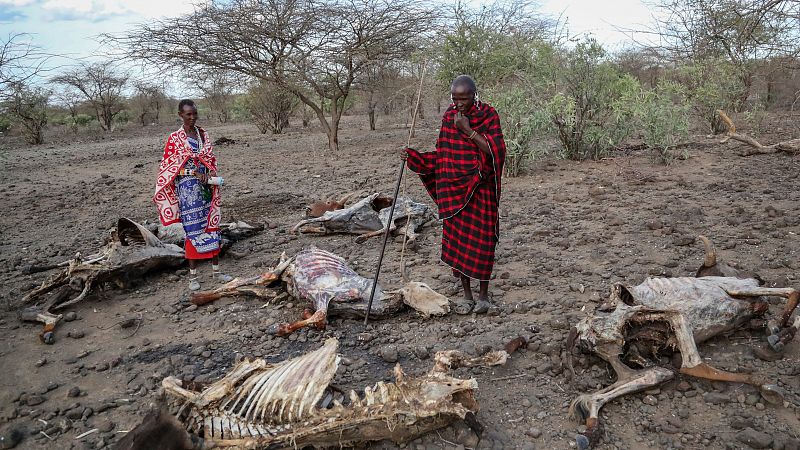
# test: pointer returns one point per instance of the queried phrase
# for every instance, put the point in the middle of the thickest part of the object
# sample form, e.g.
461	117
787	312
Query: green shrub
709	85
5	124
83	120
663	118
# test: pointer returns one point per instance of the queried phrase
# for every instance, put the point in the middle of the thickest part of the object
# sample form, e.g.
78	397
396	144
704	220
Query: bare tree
20	61
270	106
148	100
217	88
744	32
315	49
27	107
101	86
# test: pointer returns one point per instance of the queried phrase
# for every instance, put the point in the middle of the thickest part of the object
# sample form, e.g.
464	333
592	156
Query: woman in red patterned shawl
463	178
184	195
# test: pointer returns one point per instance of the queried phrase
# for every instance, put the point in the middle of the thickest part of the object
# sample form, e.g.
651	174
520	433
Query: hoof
582	442
773	394
49	338
775	342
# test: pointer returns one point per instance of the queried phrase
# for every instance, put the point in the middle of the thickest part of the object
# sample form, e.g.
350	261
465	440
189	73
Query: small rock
389	353
76	334
650	400
534	432
716	398
74	392
70	316
41	362
105	426
34	400
753	438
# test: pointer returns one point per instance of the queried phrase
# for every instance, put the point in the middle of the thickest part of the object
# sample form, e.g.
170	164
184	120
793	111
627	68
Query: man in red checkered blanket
463	178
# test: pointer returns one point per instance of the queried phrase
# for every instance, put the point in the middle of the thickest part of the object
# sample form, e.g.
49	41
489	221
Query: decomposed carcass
332	287
230	232
132	252
369	217
640	323
289	405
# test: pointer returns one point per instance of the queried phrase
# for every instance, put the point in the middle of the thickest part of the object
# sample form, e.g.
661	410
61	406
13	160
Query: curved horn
711	254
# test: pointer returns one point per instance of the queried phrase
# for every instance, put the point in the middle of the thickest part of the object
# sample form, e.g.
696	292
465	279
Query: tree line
316	59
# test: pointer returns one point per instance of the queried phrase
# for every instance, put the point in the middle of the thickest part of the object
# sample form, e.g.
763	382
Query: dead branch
791	146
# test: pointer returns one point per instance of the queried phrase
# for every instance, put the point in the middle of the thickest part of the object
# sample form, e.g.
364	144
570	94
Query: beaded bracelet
473	134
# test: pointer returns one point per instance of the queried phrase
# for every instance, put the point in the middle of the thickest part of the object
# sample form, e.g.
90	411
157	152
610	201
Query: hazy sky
70	27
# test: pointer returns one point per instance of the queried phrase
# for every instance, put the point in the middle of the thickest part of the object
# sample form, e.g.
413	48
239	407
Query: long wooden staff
396	192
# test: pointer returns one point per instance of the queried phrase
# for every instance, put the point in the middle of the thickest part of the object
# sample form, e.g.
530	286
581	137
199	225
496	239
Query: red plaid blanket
465	184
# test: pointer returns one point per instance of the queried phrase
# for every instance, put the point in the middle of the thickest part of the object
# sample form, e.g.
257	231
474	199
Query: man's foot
463	306
222	278
482	306
194	285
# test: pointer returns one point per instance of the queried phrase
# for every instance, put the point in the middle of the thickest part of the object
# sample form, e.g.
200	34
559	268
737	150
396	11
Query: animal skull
287	405
666	315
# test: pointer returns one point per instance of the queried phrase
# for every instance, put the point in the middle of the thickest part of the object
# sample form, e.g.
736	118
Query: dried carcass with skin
369	217
332	287
132	252
639	323
281	406
230	232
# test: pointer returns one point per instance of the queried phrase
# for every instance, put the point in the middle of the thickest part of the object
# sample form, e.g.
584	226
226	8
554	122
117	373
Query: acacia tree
217	89
270	106
101	86
27	107
315	49
744	32
20	61
147	101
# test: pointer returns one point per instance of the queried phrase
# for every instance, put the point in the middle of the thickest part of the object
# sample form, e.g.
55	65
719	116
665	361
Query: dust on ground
569	230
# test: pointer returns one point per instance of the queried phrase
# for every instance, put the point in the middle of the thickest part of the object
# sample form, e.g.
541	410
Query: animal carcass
332	287
288	405
369	217
230	232
663	315
132	252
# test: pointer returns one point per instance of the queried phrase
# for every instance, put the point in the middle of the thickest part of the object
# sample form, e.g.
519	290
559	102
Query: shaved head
465	82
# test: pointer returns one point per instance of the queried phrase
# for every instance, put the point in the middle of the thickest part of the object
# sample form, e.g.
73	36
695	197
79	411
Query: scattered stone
389	353
534	433
650	400
70	316
74	392
41	362
753	438
34	400
105	426
716	398
76	334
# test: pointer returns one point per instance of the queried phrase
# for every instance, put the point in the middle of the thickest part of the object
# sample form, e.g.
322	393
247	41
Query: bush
593	107
83	120
27	107
270	107
5	124
663	118
521	121
709	85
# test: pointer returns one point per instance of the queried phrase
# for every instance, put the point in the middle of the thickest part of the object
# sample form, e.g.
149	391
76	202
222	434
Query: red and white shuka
465	184
178	153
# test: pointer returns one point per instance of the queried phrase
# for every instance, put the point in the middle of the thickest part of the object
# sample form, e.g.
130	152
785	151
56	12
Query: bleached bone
262	405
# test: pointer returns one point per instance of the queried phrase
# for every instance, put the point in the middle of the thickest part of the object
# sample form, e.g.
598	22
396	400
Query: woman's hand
461	122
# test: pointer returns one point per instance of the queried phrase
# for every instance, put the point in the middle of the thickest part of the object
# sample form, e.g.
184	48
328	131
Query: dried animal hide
640	323
230	233
282	406
133	252
369	217
332	287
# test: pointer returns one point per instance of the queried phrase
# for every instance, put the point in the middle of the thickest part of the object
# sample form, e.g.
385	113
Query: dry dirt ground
569	230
